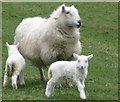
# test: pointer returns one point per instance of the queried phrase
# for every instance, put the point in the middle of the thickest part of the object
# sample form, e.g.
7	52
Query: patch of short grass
99	36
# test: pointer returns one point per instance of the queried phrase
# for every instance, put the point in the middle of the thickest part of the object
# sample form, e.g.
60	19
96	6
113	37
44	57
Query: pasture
99	36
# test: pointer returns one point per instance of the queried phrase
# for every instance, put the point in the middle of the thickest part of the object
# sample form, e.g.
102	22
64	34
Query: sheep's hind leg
42	75
14	81
5	80
21	78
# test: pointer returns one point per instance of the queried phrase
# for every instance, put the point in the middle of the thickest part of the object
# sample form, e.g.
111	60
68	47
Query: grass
99	36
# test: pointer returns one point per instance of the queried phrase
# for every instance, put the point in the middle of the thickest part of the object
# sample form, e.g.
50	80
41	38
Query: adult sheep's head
70	16
67	16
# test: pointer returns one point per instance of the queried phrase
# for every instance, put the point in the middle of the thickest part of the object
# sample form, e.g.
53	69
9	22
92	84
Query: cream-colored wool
45	41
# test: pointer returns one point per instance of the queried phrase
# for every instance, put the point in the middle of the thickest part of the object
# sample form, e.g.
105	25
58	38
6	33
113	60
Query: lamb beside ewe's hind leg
15	64
75	70
21	78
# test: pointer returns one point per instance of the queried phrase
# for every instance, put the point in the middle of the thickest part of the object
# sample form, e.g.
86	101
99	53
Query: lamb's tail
11	69
49	74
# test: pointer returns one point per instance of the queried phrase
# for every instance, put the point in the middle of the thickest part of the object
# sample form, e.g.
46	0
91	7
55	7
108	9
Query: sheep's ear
63	8
75	55
7	45
90	56
73	6
17	45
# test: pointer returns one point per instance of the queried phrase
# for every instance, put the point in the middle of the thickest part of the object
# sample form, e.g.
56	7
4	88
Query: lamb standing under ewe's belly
15	65
44	41
76	70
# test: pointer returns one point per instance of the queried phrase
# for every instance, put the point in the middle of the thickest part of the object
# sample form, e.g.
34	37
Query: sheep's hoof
22	84
58	86
70	85
82	96
14	86
47	95
4	85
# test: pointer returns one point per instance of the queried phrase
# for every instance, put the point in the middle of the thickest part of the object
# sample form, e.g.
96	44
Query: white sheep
44	41
15	64
75	70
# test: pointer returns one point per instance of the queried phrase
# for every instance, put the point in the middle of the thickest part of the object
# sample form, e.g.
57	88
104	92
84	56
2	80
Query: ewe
14	66
75	70
44	41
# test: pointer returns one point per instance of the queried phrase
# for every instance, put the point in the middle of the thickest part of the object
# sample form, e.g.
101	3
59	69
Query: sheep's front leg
50	87
83	82
21	78
5	80
42	75
14	81
81	90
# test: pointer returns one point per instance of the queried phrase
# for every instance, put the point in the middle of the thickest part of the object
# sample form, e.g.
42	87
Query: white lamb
76	70
14	66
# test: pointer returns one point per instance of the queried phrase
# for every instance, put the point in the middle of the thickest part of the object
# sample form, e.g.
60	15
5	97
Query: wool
44	41
14	67
74	70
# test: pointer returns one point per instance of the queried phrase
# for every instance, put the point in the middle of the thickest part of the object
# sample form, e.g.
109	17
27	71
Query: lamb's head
68	16
82	60
12	48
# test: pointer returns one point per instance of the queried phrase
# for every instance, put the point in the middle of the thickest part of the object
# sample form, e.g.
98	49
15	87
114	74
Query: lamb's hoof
70	85
83	97
47	94
14	86
4	85
22	84
58	86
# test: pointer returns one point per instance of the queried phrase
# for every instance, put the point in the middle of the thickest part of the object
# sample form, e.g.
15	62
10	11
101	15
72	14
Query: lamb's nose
81	67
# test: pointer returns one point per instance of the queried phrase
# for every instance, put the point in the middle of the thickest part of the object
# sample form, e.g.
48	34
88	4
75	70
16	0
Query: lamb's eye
85	61
67	12
78	60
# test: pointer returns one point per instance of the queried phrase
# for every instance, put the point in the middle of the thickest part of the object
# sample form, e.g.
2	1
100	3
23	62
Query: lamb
44	41
76	70
15	64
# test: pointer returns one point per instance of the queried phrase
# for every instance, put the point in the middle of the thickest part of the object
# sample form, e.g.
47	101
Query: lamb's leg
42	75
21	78
50	87
83	82
14	81
5	80
81	90
68	82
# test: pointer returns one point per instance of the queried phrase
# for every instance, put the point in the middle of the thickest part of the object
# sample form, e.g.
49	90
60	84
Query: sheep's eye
85	61
78	60
67	12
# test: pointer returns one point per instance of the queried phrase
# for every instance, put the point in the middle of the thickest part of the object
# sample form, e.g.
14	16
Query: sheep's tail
11	69
49	74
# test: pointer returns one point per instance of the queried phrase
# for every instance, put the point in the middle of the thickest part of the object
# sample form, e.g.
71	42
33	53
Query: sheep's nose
81	67
79	24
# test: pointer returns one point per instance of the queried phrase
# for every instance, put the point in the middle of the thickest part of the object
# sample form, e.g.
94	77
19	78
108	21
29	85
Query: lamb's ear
90	56
17	45
7	45
73	6
75	55
63	7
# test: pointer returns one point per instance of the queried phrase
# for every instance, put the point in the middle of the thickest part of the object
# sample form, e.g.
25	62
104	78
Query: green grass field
99	36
